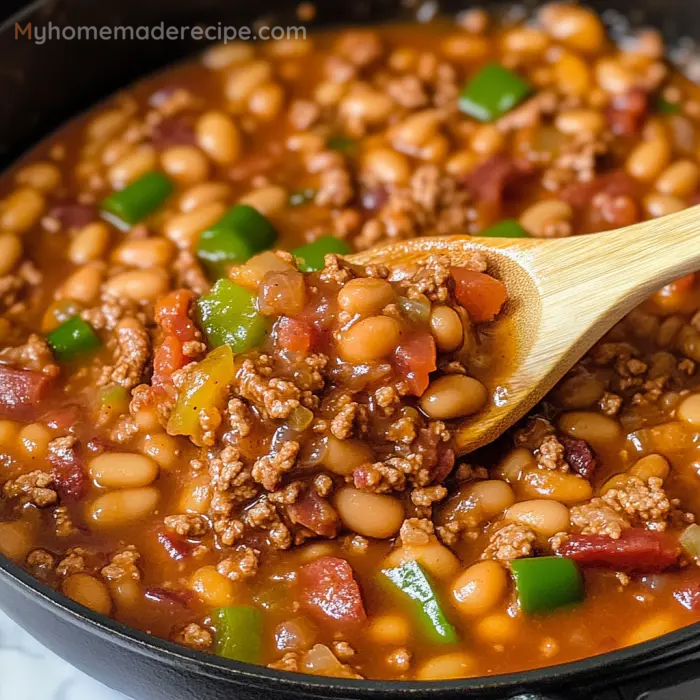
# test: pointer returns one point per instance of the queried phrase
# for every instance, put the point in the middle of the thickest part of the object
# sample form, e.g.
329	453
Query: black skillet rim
666	649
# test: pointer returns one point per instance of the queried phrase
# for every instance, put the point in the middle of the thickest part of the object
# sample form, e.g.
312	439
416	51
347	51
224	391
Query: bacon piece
436	457
628	112
616	184
73	215
606	202
373	199
21	392
315	513
579	456
176	548
445	464
637	551
254	164
414	360
69	472
156	594
329	591
175	131
490	180
64	418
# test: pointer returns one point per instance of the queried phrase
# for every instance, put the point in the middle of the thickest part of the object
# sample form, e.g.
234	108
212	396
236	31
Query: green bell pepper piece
72	338
310	258
205	387
492	92
412	581
228	316
139	199
342	144
238	235
508	228
547	583
114	401
218	249
239	633
665	107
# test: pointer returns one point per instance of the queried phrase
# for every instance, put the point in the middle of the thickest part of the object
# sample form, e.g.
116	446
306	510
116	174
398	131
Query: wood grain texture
563	296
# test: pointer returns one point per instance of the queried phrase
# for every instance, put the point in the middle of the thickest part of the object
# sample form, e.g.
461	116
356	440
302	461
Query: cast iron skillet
44	85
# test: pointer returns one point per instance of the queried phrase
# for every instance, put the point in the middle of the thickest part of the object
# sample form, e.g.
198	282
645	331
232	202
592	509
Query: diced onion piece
300	419
417	310
690	540
321	661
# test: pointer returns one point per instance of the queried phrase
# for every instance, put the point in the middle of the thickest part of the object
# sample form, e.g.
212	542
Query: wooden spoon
563	296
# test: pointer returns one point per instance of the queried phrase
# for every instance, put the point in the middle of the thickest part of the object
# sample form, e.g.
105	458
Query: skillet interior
50	83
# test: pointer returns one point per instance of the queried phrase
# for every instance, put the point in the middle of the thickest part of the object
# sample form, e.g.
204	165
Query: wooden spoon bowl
563	296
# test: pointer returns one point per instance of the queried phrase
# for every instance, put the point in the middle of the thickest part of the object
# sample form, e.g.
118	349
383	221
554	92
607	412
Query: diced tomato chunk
616	184
156	594
167	358
69	473
293	335
173	131
490	180
627	112
414	360
318	316
74	215
637	551
21	392
480	294
579	456
330	592
316	514
176	547
172	315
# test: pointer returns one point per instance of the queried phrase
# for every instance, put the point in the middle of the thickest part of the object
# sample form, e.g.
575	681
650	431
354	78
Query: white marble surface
29	671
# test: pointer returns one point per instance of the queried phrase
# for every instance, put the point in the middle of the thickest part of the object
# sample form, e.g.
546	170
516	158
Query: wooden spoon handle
586	284
622	267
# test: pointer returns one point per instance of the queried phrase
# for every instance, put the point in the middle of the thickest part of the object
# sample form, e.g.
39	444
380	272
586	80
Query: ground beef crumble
187	524
645	502
122	565
194	636
416	531
243	564
35	355
276	398
133	349
34	487
269	470
550	455
510	542
597	517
